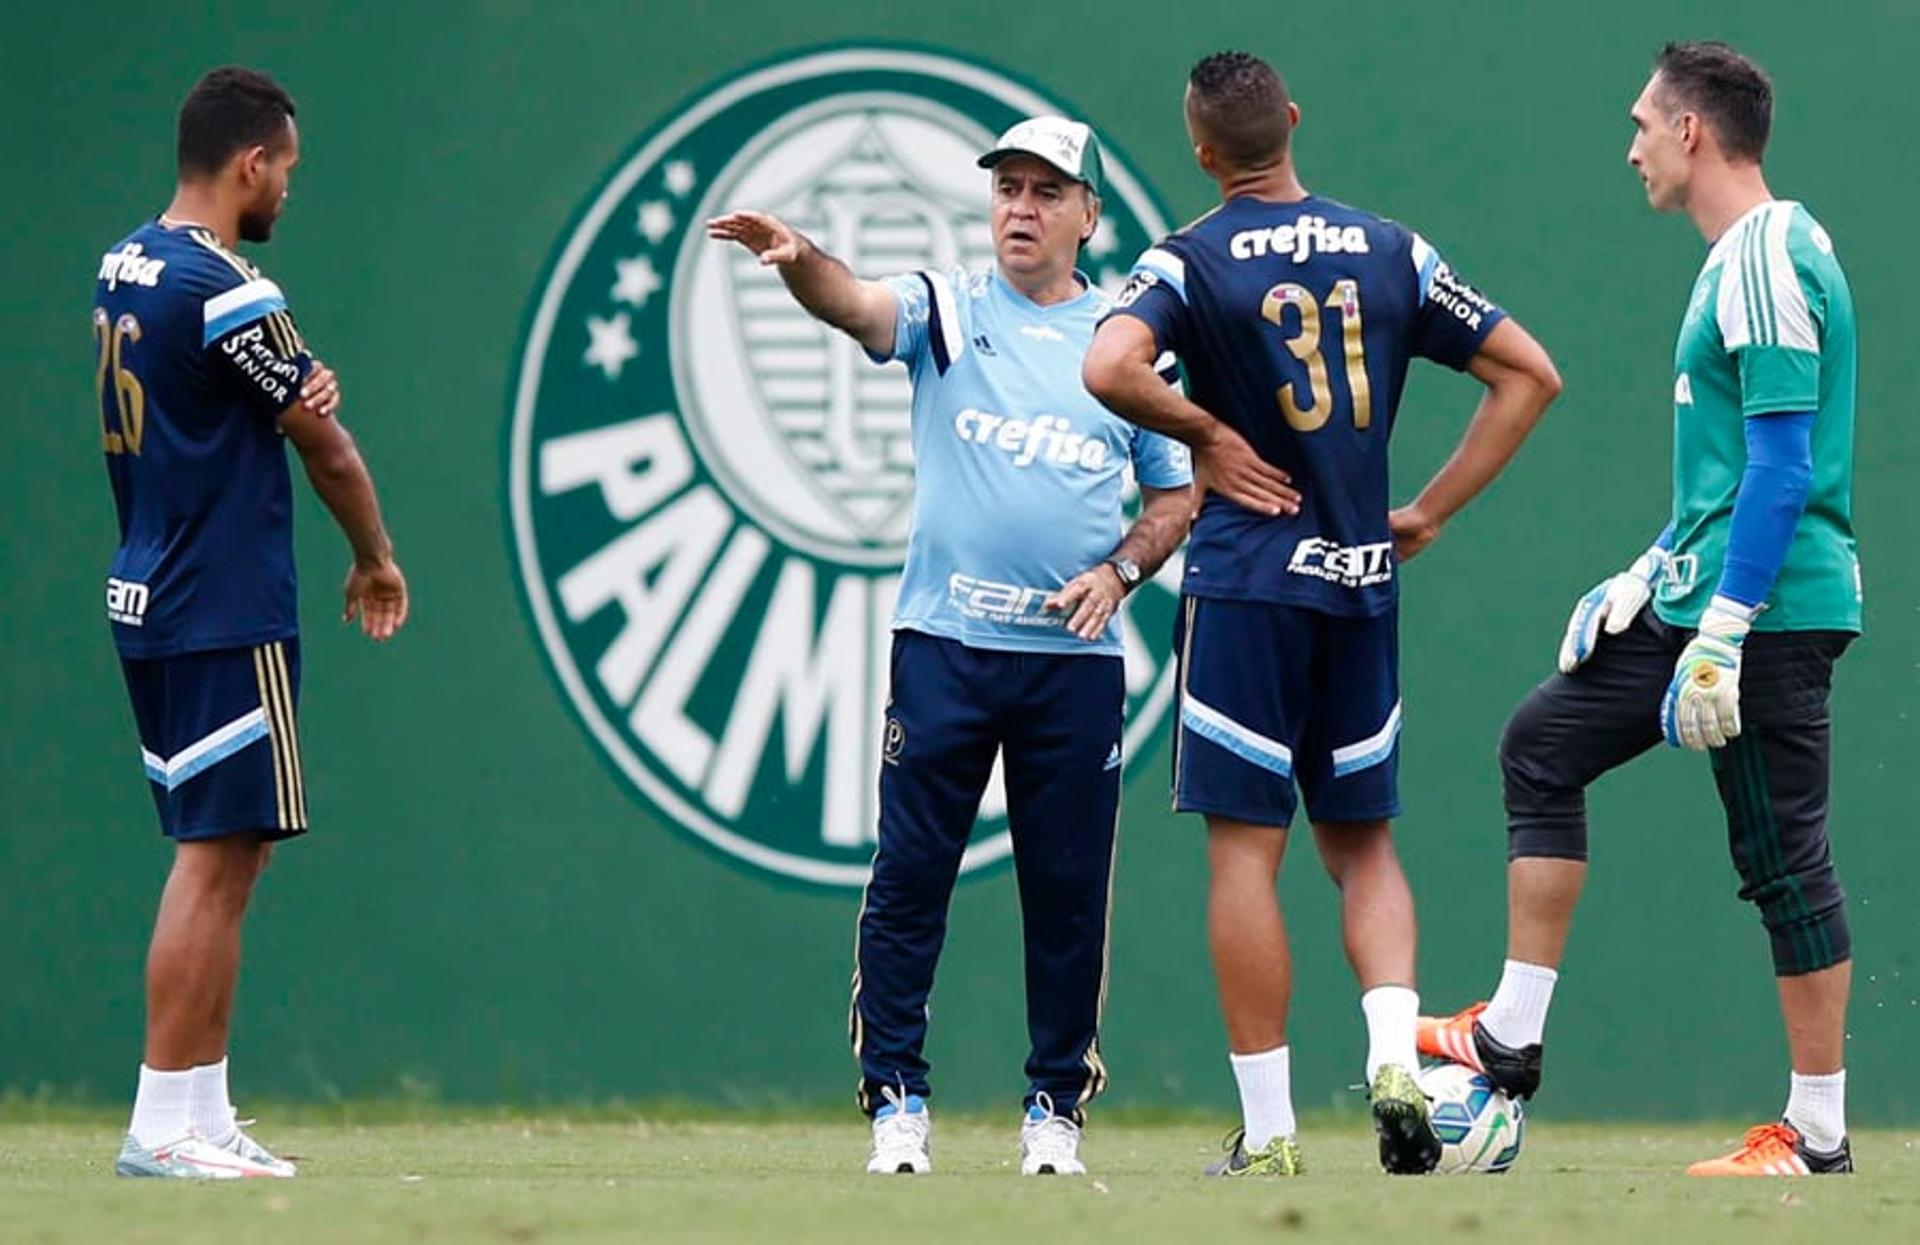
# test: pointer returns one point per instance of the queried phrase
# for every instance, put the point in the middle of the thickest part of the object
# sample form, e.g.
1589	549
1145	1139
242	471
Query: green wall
485	911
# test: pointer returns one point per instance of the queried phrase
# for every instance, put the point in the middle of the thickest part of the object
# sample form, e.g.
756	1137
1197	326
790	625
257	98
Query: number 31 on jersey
1304	342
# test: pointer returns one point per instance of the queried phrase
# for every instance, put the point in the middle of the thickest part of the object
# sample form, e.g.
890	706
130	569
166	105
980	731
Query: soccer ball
1480	1128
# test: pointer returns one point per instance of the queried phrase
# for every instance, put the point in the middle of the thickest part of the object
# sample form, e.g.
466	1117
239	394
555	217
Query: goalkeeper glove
1613	603
1702	706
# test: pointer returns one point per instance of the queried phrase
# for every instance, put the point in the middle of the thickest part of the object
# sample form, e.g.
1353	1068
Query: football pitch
591	1177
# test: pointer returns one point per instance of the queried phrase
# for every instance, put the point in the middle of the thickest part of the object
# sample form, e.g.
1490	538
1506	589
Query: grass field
592	1178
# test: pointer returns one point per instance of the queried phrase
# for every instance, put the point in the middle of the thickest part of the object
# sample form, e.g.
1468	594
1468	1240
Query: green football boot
1279	1157
1408	1144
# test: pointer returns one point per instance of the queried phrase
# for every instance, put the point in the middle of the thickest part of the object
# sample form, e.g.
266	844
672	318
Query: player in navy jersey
201	375
1295	318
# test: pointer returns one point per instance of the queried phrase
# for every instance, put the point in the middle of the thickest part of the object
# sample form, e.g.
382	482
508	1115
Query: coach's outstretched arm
376	591
1521	380
827	288
1119	371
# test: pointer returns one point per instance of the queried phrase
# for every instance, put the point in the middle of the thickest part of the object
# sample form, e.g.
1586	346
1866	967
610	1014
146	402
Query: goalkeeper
1755	591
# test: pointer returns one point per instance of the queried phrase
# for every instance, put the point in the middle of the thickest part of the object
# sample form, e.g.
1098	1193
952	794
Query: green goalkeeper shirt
1769	329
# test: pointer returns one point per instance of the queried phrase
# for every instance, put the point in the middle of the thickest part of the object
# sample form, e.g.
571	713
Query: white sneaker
902	1136
251	1150
187	1157
1049	1143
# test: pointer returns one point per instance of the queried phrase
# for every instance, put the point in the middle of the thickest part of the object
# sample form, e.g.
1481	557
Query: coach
1006	637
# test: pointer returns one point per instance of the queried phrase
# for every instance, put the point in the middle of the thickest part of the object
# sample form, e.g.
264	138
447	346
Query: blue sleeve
1773	492
247	329
913	293
1156	295
1665	539
1160	461
1452	318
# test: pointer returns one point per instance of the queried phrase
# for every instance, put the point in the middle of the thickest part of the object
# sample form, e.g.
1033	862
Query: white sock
161	1107
1817	1109
1391	1013
212	1110
1517	1016
1266	1094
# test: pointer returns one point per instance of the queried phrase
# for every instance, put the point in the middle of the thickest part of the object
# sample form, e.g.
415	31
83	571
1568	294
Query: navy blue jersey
197	356
1294	324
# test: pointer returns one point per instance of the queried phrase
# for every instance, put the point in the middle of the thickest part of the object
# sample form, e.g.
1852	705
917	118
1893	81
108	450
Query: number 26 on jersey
116	380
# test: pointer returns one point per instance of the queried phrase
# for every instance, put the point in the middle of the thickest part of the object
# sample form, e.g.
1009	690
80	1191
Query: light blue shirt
1019	471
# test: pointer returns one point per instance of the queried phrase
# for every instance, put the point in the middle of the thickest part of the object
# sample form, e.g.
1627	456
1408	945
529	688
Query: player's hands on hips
1093	597
1702	706
1413	530
377	595
1610	605
764	235
1230	467
320	392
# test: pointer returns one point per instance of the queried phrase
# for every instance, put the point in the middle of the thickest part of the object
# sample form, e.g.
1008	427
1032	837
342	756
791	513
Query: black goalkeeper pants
1772	778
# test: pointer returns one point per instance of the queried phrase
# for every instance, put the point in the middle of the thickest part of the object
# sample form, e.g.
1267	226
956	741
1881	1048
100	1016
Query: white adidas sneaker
1049	1143
902	1136
189	1157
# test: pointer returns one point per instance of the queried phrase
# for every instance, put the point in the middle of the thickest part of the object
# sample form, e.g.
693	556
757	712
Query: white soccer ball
1480	1128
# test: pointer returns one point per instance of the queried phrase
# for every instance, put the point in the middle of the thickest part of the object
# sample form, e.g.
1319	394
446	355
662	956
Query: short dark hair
230	110
1240	104
1731	93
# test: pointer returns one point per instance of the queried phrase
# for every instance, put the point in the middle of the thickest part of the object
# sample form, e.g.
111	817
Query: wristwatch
1127	569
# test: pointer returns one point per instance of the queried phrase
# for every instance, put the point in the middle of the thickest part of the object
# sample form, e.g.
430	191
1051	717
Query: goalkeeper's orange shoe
1776	1150
1461	1038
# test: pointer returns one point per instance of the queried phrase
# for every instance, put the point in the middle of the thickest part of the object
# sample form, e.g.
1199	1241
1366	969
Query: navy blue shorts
1271	695
218	737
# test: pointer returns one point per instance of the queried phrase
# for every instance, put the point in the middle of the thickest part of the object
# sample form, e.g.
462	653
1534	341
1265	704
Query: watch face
1128	571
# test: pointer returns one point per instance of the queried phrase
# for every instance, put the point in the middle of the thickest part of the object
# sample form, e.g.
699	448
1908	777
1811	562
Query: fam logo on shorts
710	492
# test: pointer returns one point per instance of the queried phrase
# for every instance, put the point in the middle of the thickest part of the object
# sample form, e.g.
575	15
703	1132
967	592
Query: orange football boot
1776	1150
1461	1038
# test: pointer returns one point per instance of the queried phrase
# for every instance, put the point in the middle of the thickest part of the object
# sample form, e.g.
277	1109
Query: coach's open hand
377	594
1094	597
764	235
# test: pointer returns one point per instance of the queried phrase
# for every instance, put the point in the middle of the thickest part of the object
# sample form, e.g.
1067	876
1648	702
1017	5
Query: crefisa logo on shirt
710	492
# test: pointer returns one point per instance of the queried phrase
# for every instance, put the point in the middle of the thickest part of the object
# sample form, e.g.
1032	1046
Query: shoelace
1760	1134
1361	1087
1236	1142
900	1128
249	1148
1054	1133
241	1142
1234	1139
